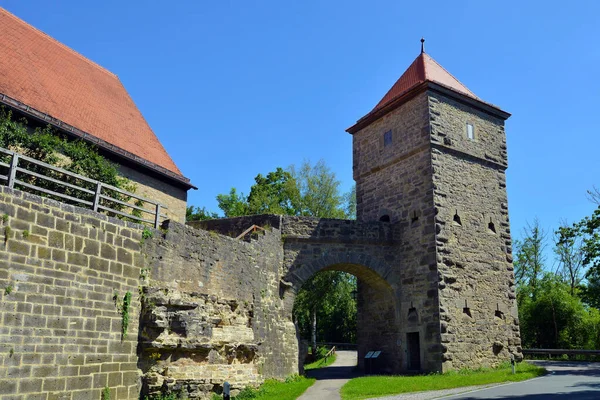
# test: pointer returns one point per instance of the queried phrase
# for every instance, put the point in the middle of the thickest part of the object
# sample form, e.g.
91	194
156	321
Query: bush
49	146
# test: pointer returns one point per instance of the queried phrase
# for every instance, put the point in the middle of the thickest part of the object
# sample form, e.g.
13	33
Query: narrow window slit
467	310
491	227
498	313
457	219
414	218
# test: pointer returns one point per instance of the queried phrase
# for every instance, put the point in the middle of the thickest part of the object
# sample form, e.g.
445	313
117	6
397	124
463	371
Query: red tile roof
423	69
51	78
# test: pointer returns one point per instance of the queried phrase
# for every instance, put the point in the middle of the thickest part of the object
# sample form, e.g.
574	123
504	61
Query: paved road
568	380
331	379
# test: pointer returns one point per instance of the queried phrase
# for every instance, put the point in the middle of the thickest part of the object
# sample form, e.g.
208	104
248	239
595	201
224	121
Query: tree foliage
559	308
556	319
328	297
529	261
324	306
199	214
310	190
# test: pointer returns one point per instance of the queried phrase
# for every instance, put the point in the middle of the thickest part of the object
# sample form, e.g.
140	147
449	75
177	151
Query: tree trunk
314	331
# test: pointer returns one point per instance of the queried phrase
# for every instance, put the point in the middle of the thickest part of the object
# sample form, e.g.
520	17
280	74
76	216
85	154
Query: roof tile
48	76
423	68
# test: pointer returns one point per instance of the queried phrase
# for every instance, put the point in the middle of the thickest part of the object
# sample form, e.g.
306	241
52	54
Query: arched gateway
431	246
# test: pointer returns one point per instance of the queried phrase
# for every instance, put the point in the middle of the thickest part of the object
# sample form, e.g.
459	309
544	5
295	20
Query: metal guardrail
98	199
252	229
340	346
569	352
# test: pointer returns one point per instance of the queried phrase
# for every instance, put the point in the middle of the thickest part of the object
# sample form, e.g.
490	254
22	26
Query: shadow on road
579	395
561	368
334	372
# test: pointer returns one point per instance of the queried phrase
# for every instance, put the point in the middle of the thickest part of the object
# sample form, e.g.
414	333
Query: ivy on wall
50	146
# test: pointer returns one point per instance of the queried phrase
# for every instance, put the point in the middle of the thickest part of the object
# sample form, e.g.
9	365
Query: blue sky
234	88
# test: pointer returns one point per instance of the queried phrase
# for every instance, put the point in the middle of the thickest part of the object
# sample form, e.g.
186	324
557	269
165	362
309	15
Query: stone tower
431	158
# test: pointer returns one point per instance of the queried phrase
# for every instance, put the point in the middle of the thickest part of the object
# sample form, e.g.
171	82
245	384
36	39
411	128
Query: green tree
308	190
277	193
555	318
588	230
318	191
570	260
199	214
529	261
325	308
233	204
587	233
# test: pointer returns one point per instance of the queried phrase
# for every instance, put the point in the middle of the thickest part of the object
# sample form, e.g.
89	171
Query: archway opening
351	307
325	313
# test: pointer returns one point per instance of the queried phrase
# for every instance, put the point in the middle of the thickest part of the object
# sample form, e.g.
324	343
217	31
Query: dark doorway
414	351
385	218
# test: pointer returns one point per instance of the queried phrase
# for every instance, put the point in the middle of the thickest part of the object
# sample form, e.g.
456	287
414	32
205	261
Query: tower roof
424	73
423	69
60	84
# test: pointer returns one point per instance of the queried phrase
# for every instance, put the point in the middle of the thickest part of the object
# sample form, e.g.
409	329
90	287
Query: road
331	379
567	380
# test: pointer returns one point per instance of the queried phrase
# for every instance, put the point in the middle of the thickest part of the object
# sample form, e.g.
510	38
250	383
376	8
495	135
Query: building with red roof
49	83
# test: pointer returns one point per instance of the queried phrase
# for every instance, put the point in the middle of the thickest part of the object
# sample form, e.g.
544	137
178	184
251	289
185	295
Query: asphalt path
331	379
566	380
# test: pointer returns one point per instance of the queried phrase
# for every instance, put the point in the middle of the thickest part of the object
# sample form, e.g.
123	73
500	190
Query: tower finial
422	45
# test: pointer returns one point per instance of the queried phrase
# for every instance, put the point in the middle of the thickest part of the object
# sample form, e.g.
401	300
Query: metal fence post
97	196
157	216
13	171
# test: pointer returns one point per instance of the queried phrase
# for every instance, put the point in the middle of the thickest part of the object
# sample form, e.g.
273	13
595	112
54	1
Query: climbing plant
50	146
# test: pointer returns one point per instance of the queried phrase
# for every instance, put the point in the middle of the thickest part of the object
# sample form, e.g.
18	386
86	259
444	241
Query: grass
273	389
321	363
375	386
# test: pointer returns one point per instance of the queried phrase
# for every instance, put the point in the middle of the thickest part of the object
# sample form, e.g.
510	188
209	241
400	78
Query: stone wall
395	180
212	312
175	198
63	273
209	306
477	290
394	279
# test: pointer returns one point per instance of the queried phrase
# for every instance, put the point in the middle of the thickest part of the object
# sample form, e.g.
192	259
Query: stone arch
378	307
351	262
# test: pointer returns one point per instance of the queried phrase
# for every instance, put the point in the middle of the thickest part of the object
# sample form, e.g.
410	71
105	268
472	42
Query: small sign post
512	363
226	390
368	362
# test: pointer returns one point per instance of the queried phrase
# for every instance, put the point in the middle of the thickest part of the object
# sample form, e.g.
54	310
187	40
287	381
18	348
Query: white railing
97	196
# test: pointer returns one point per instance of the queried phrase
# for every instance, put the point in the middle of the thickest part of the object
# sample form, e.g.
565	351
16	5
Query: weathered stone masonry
60	332
431	251
209	306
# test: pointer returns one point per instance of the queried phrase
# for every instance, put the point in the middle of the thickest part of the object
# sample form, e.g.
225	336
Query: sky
237	88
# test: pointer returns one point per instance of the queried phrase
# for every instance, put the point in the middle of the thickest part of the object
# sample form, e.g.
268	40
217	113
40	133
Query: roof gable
51	78
423	69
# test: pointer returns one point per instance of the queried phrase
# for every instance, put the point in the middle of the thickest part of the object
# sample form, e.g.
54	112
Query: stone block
54	384
45	220
30	385
80	383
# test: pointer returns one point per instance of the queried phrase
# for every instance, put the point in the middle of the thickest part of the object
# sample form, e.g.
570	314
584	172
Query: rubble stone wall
479	324
212	312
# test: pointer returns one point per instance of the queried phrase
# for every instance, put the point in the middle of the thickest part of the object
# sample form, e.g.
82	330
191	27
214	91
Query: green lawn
273	389
375	386
323	362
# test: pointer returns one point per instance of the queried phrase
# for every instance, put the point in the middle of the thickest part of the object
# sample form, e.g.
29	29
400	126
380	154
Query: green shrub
50	146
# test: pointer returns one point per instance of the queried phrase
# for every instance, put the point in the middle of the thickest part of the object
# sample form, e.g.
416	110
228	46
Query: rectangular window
387	138
470	132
